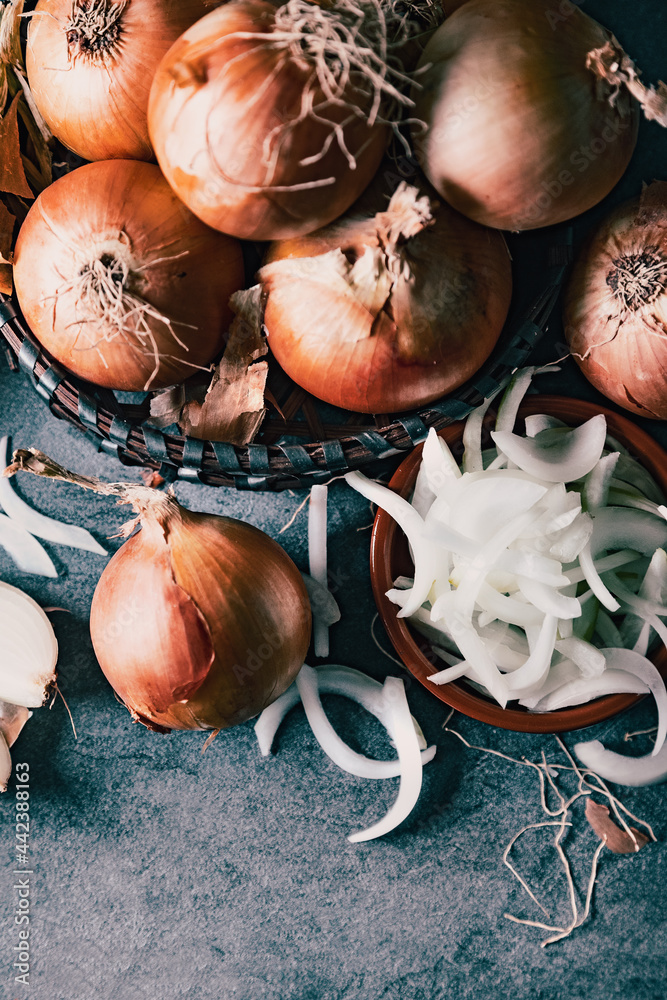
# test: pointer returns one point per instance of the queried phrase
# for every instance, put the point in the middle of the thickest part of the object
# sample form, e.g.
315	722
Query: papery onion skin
517	137
439	325
199	621
180	277
208	124
615	312
92	88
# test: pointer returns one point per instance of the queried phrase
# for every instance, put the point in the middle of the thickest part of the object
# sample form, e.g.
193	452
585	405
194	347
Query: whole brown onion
90	64
387	310
616	305
528	120
120	282
198	621
269	120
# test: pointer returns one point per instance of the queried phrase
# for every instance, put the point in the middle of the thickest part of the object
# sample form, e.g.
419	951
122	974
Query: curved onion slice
25	550
590	660
30	650
636	664
350	683
472	438
533	672
548	599
624	770
536	422
39	524
583	689
598	482
407	747
512	397
570	457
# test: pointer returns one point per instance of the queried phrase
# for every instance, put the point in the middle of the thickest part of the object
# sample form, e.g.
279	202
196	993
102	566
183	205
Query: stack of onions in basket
120	282
386	310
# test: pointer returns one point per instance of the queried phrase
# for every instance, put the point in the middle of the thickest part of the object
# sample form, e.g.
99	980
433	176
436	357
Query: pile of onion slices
540	566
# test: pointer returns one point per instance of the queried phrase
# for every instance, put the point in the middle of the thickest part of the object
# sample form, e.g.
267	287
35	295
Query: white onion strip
349	683
39	524
317	558
584	689
621	769
638	665
25	550
571	457
402	731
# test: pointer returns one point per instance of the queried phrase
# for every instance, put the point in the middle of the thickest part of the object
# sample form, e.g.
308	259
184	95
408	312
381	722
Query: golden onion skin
199	621
615	308
517	136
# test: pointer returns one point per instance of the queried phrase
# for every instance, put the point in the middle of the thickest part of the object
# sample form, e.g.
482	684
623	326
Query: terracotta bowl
390	558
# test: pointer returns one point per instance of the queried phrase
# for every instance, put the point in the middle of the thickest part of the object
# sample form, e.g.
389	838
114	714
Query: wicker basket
302	441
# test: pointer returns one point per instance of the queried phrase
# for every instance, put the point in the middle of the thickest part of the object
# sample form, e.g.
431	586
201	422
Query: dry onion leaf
616	839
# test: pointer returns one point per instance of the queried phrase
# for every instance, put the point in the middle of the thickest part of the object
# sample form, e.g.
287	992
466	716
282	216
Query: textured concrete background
162	873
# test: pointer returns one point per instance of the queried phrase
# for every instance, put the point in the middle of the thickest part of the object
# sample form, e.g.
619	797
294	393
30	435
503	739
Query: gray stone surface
162	873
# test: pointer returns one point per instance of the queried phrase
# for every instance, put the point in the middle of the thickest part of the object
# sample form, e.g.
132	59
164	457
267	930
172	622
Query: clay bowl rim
410	647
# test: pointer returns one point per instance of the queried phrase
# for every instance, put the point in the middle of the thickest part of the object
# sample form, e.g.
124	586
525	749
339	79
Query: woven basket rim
276	466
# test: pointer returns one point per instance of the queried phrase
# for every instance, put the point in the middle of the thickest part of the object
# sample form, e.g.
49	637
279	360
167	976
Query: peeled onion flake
39	524
634	630
571	540
348	683
452	673
5	764
474	650
12	720
269	720
483	506
585	689
317	558
536	422
425	554
548	599
486	559
598	482
640	667
571	457
25	550
402	731
590	660
561	672
621	769
595	581
513	397
535	669
472	438
507	609
322	601
437	466
612	561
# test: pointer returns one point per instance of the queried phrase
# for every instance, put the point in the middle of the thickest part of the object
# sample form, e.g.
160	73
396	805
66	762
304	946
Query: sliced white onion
513	397
569	542
424	553
535	669
30	650
409	758
39	524
25	550
612	561
472	438
536	422
322	602
570	458
583	689
621	769
590	660
548	599
317	560
348	683
640	667
598	482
